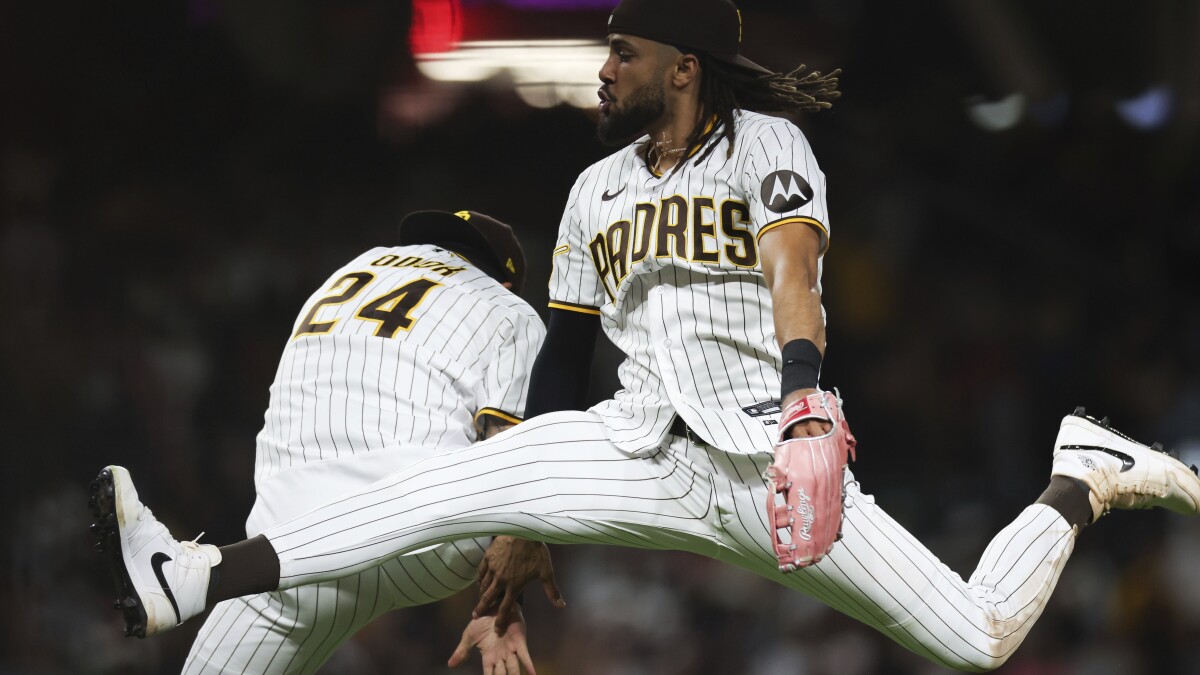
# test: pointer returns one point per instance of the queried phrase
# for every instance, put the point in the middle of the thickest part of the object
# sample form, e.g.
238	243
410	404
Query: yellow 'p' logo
511	267
465	215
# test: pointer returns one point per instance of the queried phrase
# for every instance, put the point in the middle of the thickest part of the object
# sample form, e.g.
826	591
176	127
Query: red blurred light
437	26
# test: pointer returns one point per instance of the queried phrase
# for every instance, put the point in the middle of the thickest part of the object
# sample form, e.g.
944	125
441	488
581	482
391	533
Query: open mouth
605	101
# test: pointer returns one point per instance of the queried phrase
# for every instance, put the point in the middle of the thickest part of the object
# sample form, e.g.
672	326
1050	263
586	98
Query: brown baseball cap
479	234
710	26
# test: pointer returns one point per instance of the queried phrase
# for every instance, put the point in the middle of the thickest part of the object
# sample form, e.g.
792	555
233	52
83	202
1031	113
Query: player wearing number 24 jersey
405	352
698	248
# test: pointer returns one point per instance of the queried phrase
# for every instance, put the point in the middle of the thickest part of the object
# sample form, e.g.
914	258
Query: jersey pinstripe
342	391
390	362
671	265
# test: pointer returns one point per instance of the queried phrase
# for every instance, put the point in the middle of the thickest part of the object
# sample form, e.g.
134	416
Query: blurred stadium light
1148	110
550	4
437	25
545	73
996	115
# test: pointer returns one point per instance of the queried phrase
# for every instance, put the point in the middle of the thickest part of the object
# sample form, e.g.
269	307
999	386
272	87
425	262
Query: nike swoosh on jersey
607	197
1126	461
157	561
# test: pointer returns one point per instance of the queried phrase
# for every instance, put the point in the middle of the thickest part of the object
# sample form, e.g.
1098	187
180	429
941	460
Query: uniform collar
705	137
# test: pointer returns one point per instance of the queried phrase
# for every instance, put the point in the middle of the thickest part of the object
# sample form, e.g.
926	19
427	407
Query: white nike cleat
1120	472
160	582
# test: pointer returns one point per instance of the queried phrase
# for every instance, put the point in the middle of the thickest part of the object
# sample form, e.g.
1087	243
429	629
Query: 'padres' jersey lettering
672	265
403	346
691	230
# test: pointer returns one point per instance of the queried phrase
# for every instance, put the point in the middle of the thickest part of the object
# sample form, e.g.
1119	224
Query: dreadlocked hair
725	89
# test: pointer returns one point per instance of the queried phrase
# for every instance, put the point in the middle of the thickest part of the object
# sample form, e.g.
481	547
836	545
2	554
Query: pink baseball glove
805	503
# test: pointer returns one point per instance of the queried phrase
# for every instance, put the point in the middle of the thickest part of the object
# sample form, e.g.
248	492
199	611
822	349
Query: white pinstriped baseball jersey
402	347
389	363
671	264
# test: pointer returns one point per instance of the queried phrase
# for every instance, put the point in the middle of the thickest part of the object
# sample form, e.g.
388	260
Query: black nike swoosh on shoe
157	561
1126	461
607	197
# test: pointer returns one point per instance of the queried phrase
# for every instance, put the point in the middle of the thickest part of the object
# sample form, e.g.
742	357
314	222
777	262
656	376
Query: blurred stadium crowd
1015	232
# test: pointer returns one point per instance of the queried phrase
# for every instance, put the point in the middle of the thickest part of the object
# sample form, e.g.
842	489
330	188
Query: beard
622	125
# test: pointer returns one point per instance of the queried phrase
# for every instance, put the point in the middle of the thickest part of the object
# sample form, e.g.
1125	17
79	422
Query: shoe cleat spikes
1104	422
1195	470
1080	411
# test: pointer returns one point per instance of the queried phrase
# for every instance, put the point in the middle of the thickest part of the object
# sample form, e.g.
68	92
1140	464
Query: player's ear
686	70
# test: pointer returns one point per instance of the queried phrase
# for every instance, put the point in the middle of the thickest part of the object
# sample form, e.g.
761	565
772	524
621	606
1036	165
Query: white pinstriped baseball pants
298	629
558	479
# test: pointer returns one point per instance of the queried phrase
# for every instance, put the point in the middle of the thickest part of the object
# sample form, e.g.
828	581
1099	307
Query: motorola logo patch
785	191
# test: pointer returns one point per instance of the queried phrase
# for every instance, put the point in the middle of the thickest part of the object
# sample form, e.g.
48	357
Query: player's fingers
552	593
462	651
525	658
482	570
811	428
504	615
486	599
510	664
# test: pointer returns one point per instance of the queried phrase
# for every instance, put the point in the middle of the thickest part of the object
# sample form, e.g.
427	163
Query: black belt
681	428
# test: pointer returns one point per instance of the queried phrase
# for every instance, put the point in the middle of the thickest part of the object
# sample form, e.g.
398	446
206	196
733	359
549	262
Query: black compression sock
247	568
1069	497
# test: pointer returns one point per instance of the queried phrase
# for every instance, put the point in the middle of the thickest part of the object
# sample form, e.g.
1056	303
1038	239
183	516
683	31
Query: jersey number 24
391	310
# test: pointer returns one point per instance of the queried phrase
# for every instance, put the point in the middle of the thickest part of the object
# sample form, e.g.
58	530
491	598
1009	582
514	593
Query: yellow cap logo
465	215
511	267
739	13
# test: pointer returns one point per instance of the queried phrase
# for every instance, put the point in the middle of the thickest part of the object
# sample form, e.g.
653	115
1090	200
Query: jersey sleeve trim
800	219
497	413
572	307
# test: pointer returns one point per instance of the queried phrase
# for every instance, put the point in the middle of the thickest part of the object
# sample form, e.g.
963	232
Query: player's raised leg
520	483
881	575
297	630
556	478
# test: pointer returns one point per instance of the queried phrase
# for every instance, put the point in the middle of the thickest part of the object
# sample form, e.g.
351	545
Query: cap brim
743	63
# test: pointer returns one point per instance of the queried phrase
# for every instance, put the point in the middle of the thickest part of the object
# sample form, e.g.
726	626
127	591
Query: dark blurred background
1015	231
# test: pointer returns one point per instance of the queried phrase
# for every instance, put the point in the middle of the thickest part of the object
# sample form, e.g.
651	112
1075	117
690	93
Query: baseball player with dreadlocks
697	247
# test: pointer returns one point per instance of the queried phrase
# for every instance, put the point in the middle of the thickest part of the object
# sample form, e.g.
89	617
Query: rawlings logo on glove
805	504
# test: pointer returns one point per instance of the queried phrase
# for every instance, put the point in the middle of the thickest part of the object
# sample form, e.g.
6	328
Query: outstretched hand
503	654
507	566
